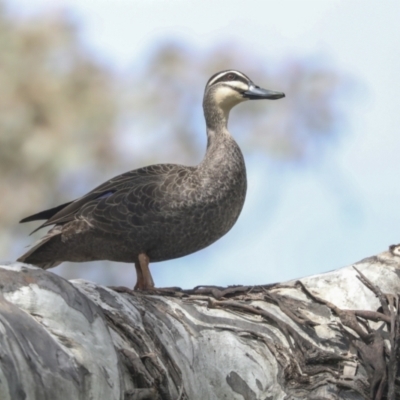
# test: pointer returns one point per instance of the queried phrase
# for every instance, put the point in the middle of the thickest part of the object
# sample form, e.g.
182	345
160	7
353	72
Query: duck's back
165	211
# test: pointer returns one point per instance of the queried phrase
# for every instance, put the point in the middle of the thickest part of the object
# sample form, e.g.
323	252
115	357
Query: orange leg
144	278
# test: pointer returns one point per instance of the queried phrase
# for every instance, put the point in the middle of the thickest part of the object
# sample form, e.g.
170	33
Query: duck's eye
230	77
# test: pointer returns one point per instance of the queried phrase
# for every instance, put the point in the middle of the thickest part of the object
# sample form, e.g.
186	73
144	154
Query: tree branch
330	336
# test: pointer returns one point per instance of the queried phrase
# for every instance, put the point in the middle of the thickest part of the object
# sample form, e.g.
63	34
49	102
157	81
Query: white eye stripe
223	73
241	75
237	85
216	78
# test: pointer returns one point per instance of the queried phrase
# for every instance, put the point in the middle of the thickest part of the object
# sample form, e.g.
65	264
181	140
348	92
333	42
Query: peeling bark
330	336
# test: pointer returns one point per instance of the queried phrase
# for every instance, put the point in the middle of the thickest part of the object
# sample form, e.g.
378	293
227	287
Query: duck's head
231	87
226	89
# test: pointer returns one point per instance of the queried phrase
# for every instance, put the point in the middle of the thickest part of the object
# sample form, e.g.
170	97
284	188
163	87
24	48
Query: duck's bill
256	93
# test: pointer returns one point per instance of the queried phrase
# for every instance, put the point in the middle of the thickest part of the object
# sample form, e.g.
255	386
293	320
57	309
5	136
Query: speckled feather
165	211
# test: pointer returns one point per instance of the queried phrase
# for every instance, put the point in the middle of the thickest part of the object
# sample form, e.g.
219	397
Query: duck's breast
204	205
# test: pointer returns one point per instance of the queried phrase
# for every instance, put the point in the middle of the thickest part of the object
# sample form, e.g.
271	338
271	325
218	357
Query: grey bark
330	336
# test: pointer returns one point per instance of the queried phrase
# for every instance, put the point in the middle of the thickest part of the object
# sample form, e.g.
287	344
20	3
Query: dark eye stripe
236	79
223	78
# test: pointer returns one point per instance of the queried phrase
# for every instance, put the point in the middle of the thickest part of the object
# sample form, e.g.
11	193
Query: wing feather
130	198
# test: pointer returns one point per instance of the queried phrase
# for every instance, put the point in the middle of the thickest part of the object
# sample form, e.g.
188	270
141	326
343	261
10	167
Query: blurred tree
68	123
57	115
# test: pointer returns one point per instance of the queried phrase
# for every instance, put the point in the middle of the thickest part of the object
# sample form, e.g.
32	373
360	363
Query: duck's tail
41	254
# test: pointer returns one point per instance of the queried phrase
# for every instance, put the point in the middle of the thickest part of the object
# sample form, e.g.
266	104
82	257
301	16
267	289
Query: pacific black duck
159	212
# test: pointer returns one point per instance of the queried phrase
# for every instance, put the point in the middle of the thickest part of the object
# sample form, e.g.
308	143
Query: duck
158	212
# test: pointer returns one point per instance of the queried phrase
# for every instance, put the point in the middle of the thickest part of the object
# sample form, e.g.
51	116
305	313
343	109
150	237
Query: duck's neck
222	150
216	122
216	117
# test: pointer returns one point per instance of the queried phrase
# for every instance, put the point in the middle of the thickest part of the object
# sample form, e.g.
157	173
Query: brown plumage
159	212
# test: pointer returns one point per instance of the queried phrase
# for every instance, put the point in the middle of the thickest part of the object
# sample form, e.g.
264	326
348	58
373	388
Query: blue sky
319	218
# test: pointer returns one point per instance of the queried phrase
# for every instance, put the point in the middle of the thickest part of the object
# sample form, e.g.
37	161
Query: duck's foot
124	289
144	281
166	291
121	289
169	289
174	290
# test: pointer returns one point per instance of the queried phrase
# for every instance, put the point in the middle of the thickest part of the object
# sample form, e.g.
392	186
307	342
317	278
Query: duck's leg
144	278
139	276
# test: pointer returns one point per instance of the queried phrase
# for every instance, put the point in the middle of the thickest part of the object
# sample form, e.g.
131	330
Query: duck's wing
129	193
46	214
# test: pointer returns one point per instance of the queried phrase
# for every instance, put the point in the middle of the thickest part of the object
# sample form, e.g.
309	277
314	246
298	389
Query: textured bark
330	336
